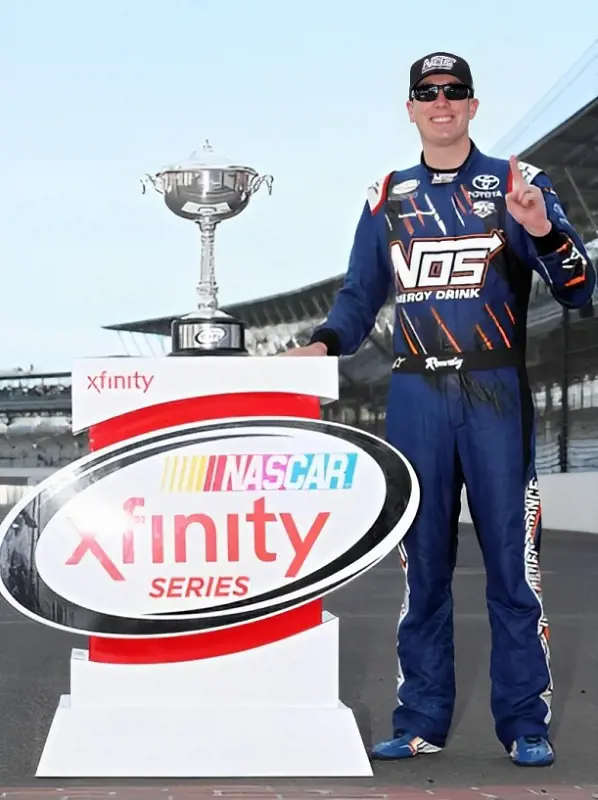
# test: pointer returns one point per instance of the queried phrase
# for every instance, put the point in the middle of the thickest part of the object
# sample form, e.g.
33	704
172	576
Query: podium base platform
272	711
206	743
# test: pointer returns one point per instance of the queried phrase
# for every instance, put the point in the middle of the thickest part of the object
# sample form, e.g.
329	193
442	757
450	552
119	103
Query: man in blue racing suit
458	237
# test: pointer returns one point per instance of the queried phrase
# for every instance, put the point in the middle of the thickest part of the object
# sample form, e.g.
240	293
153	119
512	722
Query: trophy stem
207	289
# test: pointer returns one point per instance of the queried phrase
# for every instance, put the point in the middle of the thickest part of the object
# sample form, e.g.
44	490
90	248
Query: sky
96	95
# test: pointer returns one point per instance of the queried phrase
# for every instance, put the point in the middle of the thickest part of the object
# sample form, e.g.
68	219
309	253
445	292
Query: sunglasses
430	91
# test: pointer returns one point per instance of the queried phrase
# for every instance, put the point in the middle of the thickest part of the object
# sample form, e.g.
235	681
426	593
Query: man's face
441	121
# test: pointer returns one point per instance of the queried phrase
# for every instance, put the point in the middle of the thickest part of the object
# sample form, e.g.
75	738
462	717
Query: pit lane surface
34	672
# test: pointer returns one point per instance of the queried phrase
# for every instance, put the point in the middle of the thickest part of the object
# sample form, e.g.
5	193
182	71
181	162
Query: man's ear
409	106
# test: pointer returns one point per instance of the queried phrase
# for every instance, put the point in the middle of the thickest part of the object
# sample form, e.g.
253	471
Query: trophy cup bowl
207	189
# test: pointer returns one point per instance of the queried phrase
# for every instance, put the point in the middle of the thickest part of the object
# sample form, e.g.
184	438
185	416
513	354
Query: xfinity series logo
160	539
205	526
448	269
103	382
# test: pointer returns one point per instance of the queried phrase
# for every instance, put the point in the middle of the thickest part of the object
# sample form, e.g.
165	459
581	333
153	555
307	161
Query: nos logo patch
433	264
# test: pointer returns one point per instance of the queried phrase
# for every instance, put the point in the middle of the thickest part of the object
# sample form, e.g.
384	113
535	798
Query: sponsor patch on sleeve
376	193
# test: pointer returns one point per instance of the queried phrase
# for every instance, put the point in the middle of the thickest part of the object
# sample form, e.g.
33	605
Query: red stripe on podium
206	645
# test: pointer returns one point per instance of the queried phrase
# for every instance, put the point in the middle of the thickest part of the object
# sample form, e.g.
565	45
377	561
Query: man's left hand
525	203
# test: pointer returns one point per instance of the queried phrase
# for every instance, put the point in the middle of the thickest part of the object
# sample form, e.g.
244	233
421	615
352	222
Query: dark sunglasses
430	91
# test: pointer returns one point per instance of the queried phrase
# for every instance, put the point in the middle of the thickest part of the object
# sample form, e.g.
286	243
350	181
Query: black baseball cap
440	63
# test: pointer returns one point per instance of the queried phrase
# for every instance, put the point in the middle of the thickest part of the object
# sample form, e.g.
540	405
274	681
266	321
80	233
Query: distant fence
565	387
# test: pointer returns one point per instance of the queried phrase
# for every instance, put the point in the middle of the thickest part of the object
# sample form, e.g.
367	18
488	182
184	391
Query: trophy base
219	335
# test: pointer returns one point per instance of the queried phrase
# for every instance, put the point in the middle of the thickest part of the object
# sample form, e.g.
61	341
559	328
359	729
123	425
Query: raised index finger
515	171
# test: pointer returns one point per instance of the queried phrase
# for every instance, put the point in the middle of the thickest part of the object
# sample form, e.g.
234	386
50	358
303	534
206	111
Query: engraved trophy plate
207	189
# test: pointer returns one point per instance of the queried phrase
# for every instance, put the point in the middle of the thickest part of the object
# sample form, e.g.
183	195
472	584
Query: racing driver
458	237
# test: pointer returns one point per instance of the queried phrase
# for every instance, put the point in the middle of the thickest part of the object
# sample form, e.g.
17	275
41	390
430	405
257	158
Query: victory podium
260	699
193	545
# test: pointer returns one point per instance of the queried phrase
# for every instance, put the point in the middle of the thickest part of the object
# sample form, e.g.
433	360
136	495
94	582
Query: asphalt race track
34	662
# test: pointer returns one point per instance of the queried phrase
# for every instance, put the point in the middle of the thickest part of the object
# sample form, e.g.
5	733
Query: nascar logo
258	472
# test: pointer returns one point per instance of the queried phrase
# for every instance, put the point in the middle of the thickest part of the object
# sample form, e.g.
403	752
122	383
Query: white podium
271	710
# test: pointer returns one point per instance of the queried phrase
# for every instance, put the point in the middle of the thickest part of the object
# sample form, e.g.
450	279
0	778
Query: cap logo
438	62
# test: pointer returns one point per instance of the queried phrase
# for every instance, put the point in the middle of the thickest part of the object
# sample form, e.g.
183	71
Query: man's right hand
314	349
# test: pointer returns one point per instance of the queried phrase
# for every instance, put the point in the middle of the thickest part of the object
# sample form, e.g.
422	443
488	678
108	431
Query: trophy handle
154	180
256	182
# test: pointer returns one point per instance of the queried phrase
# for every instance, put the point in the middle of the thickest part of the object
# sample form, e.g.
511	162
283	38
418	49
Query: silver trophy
207	189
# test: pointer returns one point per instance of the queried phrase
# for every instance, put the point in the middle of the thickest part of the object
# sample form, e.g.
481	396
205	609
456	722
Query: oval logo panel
205	526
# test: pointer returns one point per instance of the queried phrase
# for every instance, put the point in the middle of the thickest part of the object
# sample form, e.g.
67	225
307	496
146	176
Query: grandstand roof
27	374
574	92
559	135
303	303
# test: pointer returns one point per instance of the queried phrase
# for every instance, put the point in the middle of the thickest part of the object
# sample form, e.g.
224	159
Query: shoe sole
373	757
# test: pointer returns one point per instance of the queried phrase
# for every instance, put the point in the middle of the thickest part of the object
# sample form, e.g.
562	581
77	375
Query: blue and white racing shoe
532	751
405	745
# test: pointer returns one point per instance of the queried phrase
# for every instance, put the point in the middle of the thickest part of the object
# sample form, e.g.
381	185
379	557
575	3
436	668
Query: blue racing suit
460	409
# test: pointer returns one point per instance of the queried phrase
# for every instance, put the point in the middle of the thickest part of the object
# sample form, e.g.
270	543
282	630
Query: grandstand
559	135
35	429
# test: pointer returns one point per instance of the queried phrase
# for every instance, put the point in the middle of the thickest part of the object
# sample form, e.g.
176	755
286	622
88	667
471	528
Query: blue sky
97	94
